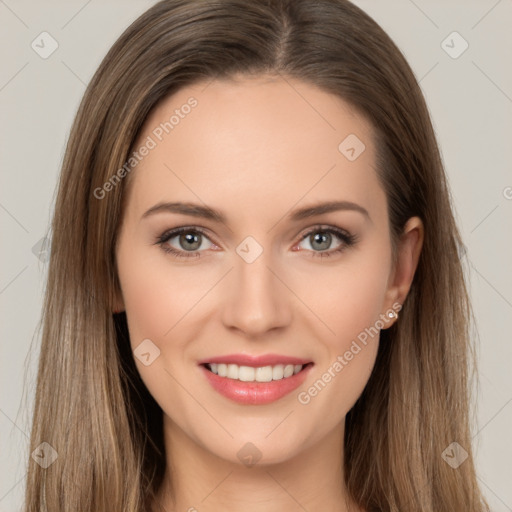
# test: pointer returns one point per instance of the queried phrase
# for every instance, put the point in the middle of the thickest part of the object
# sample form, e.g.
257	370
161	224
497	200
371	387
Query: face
264	279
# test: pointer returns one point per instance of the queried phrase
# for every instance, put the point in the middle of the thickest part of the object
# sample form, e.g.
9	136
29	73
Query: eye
189	240
320	238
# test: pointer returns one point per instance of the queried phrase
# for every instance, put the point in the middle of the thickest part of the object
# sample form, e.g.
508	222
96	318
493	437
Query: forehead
256	144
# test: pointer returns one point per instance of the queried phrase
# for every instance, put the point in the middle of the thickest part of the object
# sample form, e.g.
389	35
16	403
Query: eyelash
348	240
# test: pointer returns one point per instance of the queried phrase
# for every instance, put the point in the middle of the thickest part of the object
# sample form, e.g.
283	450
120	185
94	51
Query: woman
200	351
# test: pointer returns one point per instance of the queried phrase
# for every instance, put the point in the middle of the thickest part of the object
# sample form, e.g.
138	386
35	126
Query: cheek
350	309
156	294
352	297
157	299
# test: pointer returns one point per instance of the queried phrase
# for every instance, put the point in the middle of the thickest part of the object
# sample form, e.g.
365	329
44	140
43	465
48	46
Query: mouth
262	374
255	385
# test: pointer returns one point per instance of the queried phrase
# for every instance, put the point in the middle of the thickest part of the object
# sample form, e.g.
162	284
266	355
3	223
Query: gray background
470	100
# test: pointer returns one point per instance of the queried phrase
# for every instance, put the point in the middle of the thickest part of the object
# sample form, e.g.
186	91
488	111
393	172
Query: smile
258	374
248	385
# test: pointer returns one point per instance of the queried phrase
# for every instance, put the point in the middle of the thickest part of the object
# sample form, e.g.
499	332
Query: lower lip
255	393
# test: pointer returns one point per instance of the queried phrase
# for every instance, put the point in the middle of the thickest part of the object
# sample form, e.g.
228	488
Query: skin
258	148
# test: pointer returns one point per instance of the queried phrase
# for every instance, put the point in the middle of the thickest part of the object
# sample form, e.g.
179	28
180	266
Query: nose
256	298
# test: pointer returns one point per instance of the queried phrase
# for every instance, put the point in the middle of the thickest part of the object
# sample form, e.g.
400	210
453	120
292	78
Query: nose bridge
256	301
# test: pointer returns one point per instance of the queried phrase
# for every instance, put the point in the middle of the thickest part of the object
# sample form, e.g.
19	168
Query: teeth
250	374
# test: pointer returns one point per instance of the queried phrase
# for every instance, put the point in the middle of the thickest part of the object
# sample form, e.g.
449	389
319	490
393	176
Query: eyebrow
196	210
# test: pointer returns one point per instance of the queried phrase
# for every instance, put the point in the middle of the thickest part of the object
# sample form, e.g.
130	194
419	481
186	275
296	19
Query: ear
408	254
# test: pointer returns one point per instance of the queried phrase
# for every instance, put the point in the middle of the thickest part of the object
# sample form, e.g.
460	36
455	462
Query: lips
256	361
255	393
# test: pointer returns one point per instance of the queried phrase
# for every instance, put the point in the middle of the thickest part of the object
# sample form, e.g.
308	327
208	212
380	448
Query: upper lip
255	361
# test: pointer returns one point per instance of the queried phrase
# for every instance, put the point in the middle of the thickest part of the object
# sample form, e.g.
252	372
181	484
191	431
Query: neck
202	481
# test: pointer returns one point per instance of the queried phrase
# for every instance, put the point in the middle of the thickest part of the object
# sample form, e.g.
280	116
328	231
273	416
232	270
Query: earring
393	314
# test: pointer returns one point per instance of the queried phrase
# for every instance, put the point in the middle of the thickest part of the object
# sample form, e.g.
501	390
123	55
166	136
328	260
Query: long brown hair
92	407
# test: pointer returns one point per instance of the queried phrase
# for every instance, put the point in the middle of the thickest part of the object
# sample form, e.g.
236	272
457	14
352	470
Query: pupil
326	239
189	238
